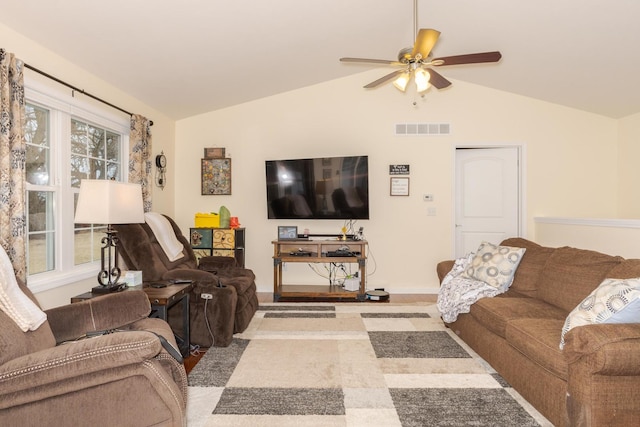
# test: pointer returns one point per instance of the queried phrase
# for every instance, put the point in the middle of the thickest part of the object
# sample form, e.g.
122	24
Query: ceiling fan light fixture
422	80
412	60
401	82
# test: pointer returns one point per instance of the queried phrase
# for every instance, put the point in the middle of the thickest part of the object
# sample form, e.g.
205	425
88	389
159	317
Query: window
67	141
95	154
40	219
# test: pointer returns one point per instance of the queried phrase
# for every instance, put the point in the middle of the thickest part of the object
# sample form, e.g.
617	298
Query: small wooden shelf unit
228	242
317	251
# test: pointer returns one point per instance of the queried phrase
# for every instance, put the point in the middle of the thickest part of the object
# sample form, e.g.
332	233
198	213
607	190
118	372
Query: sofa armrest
607	349
193	274
76	359
104	312
443	268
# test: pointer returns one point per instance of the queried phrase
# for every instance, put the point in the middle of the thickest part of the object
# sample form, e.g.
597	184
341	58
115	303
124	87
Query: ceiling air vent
423	129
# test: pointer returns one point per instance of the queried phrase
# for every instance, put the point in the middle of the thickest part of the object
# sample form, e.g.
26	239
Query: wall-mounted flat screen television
320	188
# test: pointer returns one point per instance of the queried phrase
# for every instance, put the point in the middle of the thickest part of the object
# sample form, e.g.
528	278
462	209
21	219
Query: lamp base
109	289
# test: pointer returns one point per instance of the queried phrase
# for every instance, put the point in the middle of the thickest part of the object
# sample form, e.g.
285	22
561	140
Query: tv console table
315	252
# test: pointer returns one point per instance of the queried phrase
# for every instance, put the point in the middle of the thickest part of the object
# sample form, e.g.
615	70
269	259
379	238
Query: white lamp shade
103	201
401	81
422	80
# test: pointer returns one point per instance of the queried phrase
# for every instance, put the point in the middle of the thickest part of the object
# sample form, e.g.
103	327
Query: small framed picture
399	186
216	177
287	232
214	153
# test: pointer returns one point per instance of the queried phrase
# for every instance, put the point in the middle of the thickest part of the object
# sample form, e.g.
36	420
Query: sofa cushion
538	339
614	301
570	274
627	269
495	265
15	343
242	279
141	251
495	313
533	261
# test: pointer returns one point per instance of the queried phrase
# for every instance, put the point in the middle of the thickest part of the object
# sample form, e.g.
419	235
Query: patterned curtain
140	157
12	162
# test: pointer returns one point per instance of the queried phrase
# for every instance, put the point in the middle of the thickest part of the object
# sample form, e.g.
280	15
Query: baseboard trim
393	297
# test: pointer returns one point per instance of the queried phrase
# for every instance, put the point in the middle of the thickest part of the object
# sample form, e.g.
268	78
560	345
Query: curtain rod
70	86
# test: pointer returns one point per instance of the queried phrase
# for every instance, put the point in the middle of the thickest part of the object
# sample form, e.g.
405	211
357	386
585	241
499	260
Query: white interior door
487	196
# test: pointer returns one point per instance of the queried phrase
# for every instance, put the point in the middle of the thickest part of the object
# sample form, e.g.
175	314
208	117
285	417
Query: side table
162	299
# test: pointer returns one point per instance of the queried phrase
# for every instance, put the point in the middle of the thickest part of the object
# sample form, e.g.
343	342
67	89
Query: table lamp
109	202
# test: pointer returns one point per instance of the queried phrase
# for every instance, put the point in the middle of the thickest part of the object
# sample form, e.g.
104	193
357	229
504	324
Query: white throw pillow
613	301
495	265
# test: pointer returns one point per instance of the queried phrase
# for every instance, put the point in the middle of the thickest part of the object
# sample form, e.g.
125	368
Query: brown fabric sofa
595	379
141	251
50	377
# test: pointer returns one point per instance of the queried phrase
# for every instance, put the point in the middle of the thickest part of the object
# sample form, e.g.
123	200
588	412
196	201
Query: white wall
570	155
610	236
163	130
629	172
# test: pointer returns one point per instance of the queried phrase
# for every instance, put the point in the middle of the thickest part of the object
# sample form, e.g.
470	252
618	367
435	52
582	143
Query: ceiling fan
416	61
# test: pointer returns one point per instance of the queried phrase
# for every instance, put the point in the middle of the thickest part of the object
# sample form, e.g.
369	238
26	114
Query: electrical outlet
431	211
206	296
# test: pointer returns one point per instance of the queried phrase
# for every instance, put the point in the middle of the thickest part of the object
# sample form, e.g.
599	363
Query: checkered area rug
350	365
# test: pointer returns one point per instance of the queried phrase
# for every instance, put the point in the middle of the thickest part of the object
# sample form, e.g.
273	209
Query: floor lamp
109	202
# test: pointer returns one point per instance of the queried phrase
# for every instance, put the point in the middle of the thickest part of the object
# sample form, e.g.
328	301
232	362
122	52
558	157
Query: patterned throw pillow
495	265
613	301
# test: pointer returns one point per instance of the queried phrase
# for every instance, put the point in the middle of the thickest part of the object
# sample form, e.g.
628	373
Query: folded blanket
457	294
165	235
13	302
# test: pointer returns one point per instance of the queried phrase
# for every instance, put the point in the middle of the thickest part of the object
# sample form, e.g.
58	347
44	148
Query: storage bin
201	238
207	220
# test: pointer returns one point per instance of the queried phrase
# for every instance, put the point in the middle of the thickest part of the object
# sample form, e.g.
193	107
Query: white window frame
63	107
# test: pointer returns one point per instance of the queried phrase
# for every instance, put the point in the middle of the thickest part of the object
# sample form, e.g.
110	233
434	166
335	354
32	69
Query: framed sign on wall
399	186
216	177
214	153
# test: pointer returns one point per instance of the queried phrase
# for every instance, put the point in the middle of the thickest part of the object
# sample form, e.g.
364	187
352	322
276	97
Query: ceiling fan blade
371	61
425	40
471	58
384	79
437	80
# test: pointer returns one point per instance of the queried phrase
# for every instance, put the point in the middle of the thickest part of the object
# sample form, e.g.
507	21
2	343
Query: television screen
322	188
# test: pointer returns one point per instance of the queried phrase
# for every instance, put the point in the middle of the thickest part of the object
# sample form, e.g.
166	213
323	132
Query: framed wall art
286	232
399	169
216	177
399	186
214	153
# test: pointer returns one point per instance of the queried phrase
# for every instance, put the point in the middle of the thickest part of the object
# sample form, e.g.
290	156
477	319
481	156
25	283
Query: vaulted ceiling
192	56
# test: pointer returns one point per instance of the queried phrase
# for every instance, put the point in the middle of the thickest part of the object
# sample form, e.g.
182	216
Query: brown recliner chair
141	251
56	376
